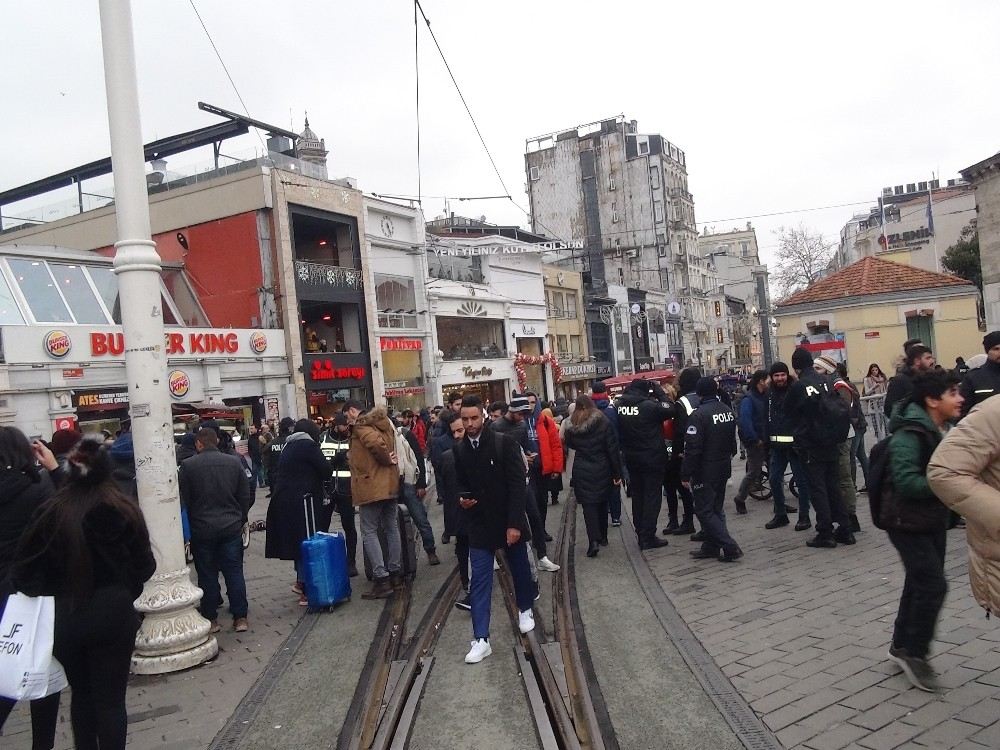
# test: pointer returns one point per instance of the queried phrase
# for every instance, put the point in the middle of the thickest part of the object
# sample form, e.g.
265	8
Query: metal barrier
871	407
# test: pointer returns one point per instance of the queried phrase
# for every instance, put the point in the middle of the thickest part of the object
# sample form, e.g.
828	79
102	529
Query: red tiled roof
871	276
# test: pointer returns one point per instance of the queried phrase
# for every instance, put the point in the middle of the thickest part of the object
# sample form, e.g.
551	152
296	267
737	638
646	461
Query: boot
671	526
776	522
593	549
396	581
432	558
803	523
741	507
653	543
699	537
686	527
822	541
843	535
855	523
352	570
381	589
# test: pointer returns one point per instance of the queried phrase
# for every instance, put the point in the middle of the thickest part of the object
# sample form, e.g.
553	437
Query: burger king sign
57	344
179	383
258	342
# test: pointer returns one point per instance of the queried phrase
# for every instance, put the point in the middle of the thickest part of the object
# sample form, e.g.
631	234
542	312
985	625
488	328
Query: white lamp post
173	635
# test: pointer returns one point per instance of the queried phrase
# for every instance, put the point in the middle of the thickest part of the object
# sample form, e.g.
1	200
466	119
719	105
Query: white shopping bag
432	491
27	668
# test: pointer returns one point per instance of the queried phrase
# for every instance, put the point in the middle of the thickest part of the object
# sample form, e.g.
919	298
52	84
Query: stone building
985	177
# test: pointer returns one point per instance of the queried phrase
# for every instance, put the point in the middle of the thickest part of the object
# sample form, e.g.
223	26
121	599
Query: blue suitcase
323	565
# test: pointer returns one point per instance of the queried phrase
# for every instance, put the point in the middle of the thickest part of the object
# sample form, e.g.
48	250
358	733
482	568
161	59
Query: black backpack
880	478
833	418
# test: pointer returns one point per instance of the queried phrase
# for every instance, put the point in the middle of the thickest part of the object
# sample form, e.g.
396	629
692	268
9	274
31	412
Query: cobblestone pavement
803	634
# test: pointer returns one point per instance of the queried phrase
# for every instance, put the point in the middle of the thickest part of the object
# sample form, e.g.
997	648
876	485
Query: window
643	147
533	173
40	291
558	311
621	276
184	299
576	345
9	312
455	267
611	182
718	335
395	300
744	249
718	309
561	344
107	286
654	177
471	338
658	211
921	327
76	290
570	306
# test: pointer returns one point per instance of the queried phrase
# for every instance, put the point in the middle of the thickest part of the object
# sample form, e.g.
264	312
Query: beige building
567	332
863	314
985	178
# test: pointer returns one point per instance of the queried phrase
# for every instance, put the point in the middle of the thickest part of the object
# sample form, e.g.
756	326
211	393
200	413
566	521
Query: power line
789	211
416	67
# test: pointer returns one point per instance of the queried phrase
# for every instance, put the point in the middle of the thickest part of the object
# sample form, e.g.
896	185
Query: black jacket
900	387
495	476
979	384
686	405
640	427
447	487
597	461
302	471
779	424
710	443
215	491
516	430
272	457
20	497
802	410
439	442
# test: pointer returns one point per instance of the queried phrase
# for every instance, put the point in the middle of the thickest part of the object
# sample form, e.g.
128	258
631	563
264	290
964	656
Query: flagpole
930	222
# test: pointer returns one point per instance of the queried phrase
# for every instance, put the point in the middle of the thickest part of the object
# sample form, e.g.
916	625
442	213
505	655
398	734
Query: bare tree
801	257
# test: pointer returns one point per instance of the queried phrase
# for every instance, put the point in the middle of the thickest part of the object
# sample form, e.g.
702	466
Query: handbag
28	670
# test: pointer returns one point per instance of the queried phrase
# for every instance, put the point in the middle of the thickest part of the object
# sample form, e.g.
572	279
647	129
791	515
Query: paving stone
890	736
984	713
869	697
947	734
930	714
836	738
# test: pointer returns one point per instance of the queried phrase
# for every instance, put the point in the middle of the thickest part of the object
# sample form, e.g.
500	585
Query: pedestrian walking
709	448
596	467
89	548
413	475
255	450
783	453
492	493
599	395
752	427
845	481
917	521
553	455
448	487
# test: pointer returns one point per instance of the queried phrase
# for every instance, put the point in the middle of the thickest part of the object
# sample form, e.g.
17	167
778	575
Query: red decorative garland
520	360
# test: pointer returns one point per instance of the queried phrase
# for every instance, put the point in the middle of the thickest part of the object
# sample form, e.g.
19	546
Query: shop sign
100	400
477	372
271	409
408	391
72	373
644	364
179	383
64	423
323	369
528	330
400	345
872	334
258	342
625	367
603	369
57	344
585	370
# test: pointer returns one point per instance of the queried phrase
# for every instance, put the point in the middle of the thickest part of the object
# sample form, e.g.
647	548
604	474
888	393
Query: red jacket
420	433
549	445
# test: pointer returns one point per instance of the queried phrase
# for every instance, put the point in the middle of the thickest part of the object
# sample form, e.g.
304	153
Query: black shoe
603	542
555	501
731	555
843	535
855	523
671	527
464	603
686	527
791	509
776	522
803	524
445	539
653	543
699	537
352	570
548	537
822	540
741	507
616	522
593	549
705	554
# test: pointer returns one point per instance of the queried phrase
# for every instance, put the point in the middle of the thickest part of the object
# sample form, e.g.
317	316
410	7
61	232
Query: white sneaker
496	564
547	565
480	650
526	621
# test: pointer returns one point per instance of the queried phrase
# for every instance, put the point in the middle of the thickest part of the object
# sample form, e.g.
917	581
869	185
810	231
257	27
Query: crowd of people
71	528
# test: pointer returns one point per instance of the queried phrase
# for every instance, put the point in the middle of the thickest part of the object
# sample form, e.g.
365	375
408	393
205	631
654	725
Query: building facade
567	332
624	196
985	178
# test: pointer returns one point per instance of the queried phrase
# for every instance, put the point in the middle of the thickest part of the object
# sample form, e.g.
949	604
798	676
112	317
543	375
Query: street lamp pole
173	635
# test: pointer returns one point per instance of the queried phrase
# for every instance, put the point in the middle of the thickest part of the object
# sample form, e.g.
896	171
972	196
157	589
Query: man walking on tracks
709	447
492	493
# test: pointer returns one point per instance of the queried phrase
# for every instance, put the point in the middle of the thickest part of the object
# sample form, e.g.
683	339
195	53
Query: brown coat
964	473
374	474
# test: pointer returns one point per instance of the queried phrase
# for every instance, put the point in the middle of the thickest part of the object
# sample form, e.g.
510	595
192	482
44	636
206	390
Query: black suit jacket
495	476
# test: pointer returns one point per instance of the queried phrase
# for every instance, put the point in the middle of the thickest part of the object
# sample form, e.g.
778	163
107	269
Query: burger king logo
57	344
179	383
258	342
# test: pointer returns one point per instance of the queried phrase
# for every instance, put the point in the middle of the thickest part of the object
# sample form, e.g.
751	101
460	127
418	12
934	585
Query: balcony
328	276
679	225
676	192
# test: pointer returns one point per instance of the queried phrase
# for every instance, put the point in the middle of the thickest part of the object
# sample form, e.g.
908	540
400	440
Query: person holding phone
492	497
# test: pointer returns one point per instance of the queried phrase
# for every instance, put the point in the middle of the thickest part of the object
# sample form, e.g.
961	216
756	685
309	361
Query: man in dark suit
492	490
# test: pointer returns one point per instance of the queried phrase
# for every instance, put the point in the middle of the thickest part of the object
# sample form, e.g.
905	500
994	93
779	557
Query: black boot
593	549
855	523
803	523
699	537
776	522
686	527
671	526
653	543
825	541
843	535
741	507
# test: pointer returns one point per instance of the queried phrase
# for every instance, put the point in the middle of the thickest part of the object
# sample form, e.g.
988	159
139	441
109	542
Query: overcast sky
778	105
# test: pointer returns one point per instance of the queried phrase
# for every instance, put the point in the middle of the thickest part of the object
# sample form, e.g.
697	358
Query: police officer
709	447
335	444
642	409
273	451
686	404
983	382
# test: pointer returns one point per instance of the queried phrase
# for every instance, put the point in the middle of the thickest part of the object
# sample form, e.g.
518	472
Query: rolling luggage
407	540
323	564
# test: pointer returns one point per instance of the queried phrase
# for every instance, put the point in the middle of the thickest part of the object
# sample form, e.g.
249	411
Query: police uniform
335	449
709	447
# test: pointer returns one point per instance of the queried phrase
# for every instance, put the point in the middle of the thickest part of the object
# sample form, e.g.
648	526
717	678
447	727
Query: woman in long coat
597	467
302	469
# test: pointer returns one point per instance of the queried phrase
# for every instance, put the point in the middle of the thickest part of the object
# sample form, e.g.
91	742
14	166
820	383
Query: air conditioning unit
633	253
611	183
614	216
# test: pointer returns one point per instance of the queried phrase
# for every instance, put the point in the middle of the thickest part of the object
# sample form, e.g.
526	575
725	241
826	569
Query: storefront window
455	267
396	301
187	304
331	327
107	286
471	338
40	291
73	283
9	312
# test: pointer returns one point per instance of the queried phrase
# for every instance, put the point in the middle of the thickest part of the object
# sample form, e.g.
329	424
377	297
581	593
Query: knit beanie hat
707	388
778	367
990	340
802	359
824	363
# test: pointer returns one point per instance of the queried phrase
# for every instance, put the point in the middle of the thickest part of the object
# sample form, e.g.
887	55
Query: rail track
560	689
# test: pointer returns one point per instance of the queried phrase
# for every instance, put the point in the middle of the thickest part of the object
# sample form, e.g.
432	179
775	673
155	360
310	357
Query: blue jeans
481	586
260	474
858	455
418	512
781	457
615	502
223	555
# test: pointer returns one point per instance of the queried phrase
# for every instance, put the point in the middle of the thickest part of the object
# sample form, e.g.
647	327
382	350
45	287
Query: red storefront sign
103	344
64	423
401	345
323	369
73	373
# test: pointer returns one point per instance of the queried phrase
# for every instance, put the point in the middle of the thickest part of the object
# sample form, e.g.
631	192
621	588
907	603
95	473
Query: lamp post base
173	635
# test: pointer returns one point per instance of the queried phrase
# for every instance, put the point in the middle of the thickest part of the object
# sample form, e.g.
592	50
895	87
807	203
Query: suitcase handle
309	513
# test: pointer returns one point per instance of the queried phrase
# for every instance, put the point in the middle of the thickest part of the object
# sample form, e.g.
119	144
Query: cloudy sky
779	105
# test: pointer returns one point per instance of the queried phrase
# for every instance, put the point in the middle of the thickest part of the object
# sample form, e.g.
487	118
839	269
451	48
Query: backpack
880	478
833	418
406	459
858	421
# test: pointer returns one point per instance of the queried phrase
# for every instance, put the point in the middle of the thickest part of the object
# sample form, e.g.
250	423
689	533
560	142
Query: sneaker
303	600
215	627
616	522
526	621
479	651
547	565
776	522
240	624
920	674
432	558
464	603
